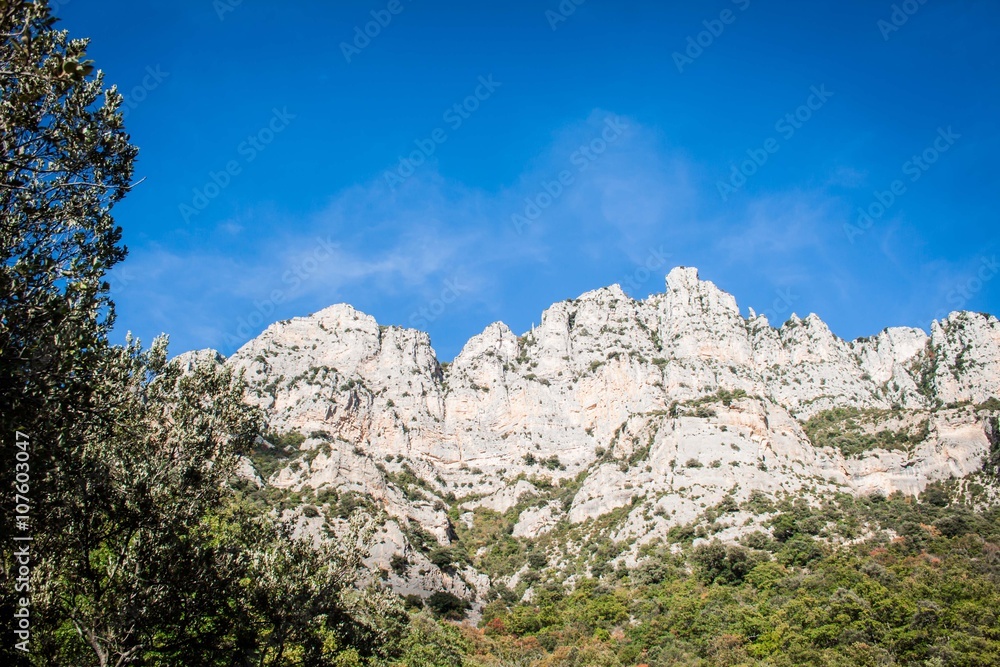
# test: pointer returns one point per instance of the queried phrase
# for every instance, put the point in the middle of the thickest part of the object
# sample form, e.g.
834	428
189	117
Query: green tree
135	567
447	605
143	553
725	563
65	160
305	603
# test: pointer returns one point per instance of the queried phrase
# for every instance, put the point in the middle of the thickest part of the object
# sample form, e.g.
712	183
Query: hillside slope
611	424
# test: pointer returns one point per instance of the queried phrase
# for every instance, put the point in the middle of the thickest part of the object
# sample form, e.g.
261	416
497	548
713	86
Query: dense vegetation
147	550
869	581
854	431
139	551
923	589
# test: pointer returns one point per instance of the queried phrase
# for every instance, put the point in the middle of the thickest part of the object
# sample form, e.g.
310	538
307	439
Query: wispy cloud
395	253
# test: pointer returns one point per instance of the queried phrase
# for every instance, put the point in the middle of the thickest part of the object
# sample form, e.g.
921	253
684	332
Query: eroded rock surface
654	409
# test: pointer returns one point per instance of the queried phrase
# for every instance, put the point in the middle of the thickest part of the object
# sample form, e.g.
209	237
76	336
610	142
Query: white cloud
372	245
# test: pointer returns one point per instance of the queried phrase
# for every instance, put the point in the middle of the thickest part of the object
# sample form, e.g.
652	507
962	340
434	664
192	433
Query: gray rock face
665	405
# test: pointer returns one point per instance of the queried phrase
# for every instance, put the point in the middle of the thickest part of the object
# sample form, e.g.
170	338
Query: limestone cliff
652	409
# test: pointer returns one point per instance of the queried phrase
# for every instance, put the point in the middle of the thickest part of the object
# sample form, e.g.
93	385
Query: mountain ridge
648	411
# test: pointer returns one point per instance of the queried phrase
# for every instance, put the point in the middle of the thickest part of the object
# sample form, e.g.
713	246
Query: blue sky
474	162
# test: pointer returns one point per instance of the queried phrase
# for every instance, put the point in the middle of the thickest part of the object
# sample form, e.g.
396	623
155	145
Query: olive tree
143	553
65	160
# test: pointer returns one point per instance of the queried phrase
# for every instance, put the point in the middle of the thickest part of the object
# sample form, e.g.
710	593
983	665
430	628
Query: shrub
853	432
446	557
399	563
537	560
725	563
446	605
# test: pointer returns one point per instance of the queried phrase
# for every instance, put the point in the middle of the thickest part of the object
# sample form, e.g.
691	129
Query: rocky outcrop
654	409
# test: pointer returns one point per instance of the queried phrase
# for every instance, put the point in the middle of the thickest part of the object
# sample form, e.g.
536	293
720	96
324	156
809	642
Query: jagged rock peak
687	290
610	293
496	339
658	408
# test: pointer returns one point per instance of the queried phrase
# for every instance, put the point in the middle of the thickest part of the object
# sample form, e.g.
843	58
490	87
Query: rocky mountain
611	424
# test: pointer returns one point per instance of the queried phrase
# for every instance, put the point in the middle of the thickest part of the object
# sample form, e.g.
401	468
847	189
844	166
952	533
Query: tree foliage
65	160
144	553
928	596
147	552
